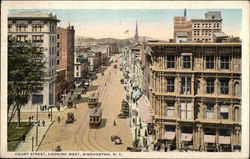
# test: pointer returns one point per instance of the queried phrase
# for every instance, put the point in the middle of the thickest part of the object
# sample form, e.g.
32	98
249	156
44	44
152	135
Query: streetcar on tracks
95	117
93	100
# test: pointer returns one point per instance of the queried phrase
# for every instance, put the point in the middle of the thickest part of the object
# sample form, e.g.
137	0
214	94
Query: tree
26	72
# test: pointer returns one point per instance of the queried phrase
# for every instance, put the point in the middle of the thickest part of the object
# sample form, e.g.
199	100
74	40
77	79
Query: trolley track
86	125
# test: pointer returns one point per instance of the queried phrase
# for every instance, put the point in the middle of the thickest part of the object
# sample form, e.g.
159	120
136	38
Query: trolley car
95	117
93	100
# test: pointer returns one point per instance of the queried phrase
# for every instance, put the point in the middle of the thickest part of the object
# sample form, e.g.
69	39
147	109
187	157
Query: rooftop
33	15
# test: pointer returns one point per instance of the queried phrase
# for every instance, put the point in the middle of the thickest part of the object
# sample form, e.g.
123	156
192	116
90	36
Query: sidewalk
27	145
63	106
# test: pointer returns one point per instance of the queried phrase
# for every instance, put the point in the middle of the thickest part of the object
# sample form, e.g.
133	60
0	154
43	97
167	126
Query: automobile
133	149
84	90
113	137
122	81
121	116
70	118
70	104
78	96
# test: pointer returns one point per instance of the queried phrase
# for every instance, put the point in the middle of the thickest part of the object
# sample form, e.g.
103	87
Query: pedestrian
114	123
32	117
48	115
58	119
75	106
43	123
45	107
29	119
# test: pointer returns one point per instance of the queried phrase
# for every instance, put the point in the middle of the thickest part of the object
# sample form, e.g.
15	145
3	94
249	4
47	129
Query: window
77	74
210	86
224	112
37	38
37	98
169	109
237	89
224	62
236	114
9	27
57	53
77	68
22	38
213	17
170	85
21	28
185	85
9	37
58	62
209	62
170	61
209	111
224	86
58	45
186	61
37	28
58	36
186	110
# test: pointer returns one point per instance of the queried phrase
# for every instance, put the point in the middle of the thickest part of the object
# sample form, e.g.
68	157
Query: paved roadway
79	136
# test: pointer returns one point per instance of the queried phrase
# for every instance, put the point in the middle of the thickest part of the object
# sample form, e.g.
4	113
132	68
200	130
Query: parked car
70	118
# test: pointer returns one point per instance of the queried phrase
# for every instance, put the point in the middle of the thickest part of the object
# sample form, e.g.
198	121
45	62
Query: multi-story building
198	29
194	94
65	52
203	29
182	25
40	28
81	66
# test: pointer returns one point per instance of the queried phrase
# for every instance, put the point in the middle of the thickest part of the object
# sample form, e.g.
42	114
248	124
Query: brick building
194	94
65	52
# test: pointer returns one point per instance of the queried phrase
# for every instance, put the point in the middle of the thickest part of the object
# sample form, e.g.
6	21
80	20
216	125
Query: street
78	136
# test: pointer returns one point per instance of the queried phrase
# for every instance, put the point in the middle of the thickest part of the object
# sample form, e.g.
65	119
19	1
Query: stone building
194	95
40	28
65	52
201	30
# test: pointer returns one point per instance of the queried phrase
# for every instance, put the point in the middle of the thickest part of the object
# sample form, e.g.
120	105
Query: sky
155	23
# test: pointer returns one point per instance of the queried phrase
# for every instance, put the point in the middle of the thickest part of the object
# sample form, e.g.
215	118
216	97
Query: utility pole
36	125
51	113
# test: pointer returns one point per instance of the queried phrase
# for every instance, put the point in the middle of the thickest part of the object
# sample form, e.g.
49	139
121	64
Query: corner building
195	95
39	28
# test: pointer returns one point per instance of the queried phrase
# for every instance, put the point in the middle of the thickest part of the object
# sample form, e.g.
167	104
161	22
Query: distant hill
120	42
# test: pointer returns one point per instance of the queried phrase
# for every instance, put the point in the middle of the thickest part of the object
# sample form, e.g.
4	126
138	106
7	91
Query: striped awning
186	137
209	138
143	105
168	135
224	140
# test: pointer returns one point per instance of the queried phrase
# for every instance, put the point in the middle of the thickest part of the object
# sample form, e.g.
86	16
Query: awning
186	137
143	106
224	140
209	138
169	135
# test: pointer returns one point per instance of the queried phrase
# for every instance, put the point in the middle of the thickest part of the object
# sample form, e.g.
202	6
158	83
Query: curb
44	135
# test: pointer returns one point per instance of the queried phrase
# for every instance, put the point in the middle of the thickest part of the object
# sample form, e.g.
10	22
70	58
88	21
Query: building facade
200	30
195	95
65	52
40	28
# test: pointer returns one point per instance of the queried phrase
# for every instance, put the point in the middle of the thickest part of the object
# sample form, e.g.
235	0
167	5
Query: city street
78	136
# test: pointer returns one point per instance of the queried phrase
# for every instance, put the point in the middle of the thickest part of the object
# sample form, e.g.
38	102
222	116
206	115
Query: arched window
237	89
236	114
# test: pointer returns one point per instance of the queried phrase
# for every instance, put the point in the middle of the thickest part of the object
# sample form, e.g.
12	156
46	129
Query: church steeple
136	34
